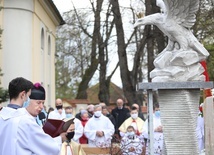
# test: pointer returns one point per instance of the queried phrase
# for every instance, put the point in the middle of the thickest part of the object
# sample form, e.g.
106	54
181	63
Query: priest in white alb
99	129
158	132
19	132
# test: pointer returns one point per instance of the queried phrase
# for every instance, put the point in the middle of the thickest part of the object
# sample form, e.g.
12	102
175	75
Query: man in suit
120	114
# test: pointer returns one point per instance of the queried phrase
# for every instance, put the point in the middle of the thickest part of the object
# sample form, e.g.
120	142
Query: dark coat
120	115
111	119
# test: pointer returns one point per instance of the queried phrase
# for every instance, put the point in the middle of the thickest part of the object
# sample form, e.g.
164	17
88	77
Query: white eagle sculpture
183	51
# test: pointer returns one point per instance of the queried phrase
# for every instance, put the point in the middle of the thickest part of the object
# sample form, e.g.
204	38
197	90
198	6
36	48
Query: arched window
42	39
42	59
49	45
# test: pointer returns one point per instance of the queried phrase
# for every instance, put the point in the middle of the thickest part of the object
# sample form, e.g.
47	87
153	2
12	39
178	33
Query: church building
28	42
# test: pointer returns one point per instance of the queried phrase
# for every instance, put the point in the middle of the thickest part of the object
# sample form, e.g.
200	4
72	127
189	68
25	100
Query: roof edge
53	11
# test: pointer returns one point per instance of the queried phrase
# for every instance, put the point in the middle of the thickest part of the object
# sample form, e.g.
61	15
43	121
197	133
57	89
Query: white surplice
56	115
78	130
158	136
21	135
128	143
200	132
93	125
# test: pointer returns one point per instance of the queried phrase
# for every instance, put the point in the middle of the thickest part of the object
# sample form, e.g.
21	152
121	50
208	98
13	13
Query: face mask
68	115
70	135
130	134
59	107
26	103
157	113
97	113
134	116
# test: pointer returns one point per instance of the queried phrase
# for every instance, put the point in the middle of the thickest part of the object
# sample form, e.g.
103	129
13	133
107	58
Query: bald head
58	102
119	103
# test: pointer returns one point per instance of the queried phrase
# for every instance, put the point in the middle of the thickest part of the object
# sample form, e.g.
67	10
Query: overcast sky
66	5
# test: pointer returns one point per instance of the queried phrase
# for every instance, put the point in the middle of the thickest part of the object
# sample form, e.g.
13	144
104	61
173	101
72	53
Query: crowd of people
22	120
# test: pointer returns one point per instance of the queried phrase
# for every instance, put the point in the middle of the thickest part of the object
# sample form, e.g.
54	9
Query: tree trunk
103	87
128	88
82	94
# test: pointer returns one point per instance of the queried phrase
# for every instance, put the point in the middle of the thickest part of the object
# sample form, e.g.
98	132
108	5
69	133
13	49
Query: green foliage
204	27
204	31
63	79
210	61
3	92
72	56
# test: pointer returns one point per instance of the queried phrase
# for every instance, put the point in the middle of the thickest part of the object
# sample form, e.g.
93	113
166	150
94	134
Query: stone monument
178	73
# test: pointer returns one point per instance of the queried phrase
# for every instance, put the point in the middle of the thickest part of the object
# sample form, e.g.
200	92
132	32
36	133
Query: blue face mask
157	113
130	133
68	115
26	103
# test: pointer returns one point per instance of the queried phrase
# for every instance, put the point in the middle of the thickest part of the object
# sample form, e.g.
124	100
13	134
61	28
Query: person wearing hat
37	99
21	135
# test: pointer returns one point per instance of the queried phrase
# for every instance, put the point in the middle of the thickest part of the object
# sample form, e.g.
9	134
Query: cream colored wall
36	68
1	20
43	63
16	22
16	40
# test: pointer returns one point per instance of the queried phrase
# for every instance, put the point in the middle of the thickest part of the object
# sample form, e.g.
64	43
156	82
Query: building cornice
52	11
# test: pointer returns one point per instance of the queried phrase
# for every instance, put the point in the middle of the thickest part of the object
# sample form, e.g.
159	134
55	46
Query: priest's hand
131	149
100	133
63	136
159	129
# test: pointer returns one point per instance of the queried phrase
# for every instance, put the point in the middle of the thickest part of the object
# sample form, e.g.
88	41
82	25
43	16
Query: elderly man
19	132
90	109
120	114
99	129
59	112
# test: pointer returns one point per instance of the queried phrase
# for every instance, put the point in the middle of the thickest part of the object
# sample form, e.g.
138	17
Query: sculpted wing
182	11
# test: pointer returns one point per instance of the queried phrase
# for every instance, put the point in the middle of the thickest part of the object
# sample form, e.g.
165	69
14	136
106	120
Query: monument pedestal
179	111
179	102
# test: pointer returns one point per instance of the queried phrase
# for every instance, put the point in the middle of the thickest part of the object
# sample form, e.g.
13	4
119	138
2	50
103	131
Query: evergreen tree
3	92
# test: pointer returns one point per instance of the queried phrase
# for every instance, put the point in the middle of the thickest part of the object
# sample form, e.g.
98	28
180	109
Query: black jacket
120	115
